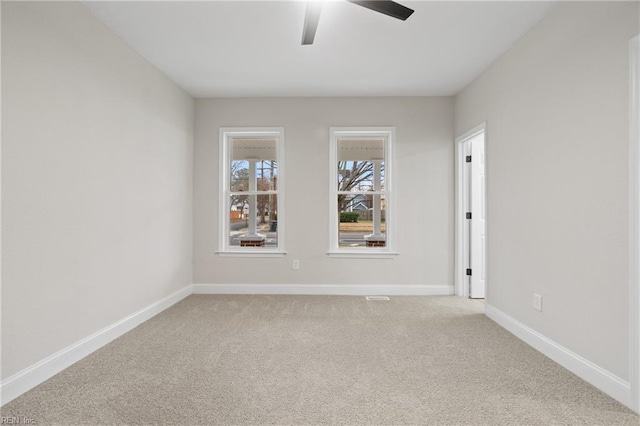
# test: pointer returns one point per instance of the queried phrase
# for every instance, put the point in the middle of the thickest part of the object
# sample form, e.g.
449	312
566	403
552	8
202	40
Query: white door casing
634	223
465	183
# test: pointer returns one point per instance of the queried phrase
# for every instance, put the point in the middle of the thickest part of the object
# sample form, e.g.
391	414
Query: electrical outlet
295	264
537	302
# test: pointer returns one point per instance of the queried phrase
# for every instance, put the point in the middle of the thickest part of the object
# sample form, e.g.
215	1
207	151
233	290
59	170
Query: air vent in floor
376	298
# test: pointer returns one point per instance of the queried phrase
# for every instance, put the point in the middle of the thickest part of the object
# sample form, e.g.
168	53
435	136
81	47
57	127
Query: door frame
634	223
460	287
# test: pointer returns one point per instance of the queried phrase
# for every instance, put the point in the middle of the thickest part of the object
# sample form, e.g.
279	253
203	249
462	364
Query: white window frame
226	135
389	251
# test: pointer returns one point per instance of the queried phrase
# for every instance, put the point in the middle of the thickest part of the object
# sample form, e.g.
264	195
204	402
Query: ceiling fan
314	8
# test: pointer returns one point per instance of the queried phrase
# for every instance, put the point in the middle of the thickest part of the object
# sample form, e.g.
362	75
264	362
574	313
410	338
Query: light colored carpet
308	360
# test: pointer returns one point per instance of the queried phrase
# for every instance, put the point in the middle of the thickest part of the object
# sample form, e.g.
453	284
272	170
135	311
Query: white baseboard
326	289
602	379
30	377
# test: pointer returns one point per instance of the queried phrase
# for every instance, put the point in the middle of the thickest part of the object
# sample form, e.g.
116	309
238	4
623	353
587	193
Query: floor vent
377	298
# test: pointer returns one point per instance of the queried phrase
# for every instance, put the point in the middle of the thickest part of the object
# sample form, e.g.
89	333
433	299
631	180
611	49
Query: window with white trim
251	167
361	200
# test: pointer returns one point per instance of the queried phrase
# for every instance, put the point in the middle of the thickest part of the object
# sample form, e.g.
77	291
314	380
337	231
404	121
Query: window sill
251	253
363	254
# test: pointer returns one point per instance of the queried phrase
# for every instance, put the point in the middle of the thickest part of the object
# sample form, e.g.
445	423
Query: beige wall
96	181
556	107
424	190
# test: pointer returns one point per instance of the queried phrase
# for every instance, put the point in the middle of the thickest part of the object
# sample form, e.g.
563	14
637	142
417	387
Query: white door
477	245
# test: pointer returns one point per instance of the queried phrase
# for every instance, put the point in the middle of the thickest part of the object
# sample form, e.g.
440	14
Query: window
251	217
361	200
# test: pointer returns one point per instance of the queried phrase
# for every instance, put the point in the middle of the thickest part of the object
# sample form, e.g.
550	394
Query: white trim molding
602	379
363	255
326	289
238	253
32	376
634	223
461	287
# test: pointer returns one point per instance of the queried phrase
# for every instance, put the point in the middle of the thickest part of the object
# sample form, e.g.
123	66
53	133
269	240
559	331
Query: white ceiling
242	48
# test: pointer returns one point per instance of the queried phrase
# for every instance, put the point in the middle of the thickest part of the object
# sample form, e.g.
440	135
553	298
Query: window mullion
361	192
270	192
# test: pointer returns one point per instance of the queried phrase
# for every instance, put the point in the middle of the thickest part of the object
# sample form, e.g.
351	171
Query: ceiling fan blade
390	8
311	18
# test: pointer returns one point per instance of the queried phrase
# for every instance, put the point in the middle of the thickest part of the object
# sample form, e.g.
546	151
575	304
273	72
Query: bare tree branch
351	175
